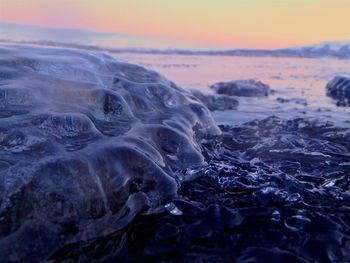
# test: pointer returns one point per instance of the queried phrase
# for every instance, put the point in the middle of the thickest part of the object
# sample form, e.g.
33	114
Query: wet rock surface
339	89
86	144
242	88
216	102
271	191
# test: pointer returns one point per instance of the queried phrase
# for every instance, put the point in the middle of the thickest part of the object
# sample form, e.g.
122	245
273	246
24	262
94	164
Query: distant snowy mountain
328	45
339	49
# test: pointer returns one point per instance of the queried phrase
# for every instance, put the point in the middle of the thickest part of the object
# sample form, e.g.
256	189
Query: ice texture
86	144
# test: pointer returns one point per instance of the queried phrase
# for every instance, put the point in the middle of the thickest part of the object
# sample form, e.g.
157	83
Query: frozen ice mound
242	88
86	144
339	88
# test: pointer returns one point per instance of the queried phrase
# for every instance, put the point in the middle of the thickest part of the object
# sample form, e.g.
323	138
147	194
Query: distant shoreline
303	52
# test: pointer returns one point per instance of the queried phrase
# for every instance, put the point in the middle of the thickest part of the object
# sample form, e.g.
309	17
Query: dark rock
216	102
298	101
167	231
339	89
242	88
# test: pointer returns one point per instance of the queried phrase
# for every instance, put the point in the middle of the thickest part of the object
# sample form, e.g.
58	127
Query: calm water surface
300	80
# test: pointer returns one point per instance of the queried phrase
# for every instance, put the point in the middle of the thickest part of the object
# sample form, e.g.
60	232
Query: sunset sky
219	23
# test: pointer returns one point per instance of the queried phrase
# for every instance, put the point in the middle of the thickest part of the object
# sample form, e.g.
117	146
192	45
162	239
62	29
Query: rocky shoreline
105	161
257	199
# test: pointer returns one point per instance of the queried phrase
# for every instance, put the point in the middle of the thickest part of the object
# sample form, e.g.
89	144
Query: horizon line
122	34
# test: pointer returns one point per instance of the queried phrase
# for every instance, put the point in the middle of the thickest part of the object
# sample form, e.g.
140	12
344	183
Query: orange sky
221	23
